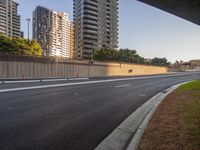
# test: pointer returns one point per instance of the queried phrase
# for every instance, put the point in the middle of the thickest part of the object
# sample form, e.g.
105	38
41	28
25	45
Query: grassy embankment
176	123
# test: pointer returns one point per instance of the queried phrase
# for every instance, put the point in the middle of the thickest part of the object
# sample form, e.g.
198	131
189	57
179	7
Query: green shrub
19	46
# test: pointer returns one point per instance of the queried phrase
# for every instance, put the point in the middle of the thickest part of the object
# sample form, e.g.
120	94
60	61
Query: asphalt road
76	117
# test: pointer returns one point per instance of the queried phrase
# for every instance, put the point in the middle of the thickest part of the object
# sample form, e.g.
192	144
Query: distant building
9	19
52	30
95	25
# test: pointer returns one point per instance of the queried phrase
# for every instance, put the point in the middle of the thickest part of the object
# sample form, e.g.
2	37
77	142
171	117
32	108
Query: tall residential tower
9	19
95	26
52	30
72	41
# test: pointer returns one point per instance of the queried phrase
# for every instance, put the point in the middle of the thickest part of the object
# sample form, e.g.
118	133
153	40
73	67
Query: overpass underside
187	9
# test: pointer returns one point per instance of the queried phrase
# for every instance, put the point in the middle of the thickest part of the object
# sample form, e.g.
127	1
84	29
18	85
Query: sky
150	31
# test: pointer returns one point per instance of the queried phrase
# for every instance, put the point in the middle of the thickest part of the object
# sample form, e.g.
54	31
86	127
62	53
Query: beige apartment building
52	30
9	18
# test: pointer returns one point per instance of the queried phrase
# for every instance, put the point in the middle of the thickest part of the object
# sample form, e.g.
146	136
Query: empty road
73	117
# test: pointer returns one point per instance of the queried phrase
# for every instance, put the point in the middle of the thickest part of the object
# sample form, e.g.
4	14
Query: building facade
72	40
52	30
9	18
95	26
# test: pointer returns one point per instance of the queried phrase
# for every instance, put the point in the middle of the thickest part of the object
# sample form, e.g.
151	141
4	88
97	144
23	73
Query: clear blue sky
152	32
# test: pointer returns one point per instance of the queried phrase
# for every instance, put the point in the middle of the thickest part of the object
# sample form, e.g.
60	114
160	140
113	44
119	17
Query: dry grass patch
176	123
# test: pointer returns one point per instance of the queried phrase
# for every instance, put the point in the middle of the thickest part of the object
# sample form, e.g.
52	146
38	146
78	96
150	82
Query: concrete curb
129	133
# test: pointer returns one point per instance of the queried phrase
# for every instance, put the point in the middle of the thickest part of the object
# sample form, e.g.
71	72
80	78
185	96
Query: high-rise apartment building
95	26
72	41
52	30
9	19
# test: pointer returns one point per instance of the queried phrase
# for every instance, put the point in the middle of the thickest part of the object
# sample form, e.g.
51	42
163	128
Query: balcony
87	21
90	12
90	31
94	3
93	37
90	27
89	17
90	7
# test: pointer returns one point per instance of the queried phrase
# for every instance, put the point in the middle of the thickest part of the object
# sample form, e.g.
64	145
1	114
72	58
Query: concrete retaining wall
28	69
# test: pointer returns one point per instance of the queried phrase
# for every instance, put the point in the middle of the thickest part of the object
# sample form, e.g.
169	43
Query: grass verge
176	123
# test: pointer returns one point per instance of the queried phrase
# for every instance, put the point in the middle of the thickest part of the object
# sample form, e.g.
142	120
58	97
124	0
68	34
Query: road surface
73	117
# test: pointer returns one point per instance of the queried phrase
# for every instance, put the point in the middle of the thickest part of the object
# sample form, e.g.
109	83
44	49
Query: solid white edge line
52	80
25	81
42	80
73	79
83	83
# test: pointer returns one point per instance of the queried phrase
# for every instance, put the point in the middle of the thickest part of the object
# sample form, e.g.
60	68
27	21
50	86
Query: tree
128	55
19	46
125	55
160	61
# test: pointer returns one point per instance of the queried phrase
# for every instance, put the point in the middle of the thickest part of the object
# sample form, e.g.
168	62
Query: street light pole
28	20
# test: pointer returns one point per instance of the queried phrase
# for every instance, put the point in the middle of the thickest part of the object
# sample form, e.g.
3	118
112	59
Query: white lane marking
72	79
125	85
86	82
76	94
142	95
52	80
24	81
43	80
